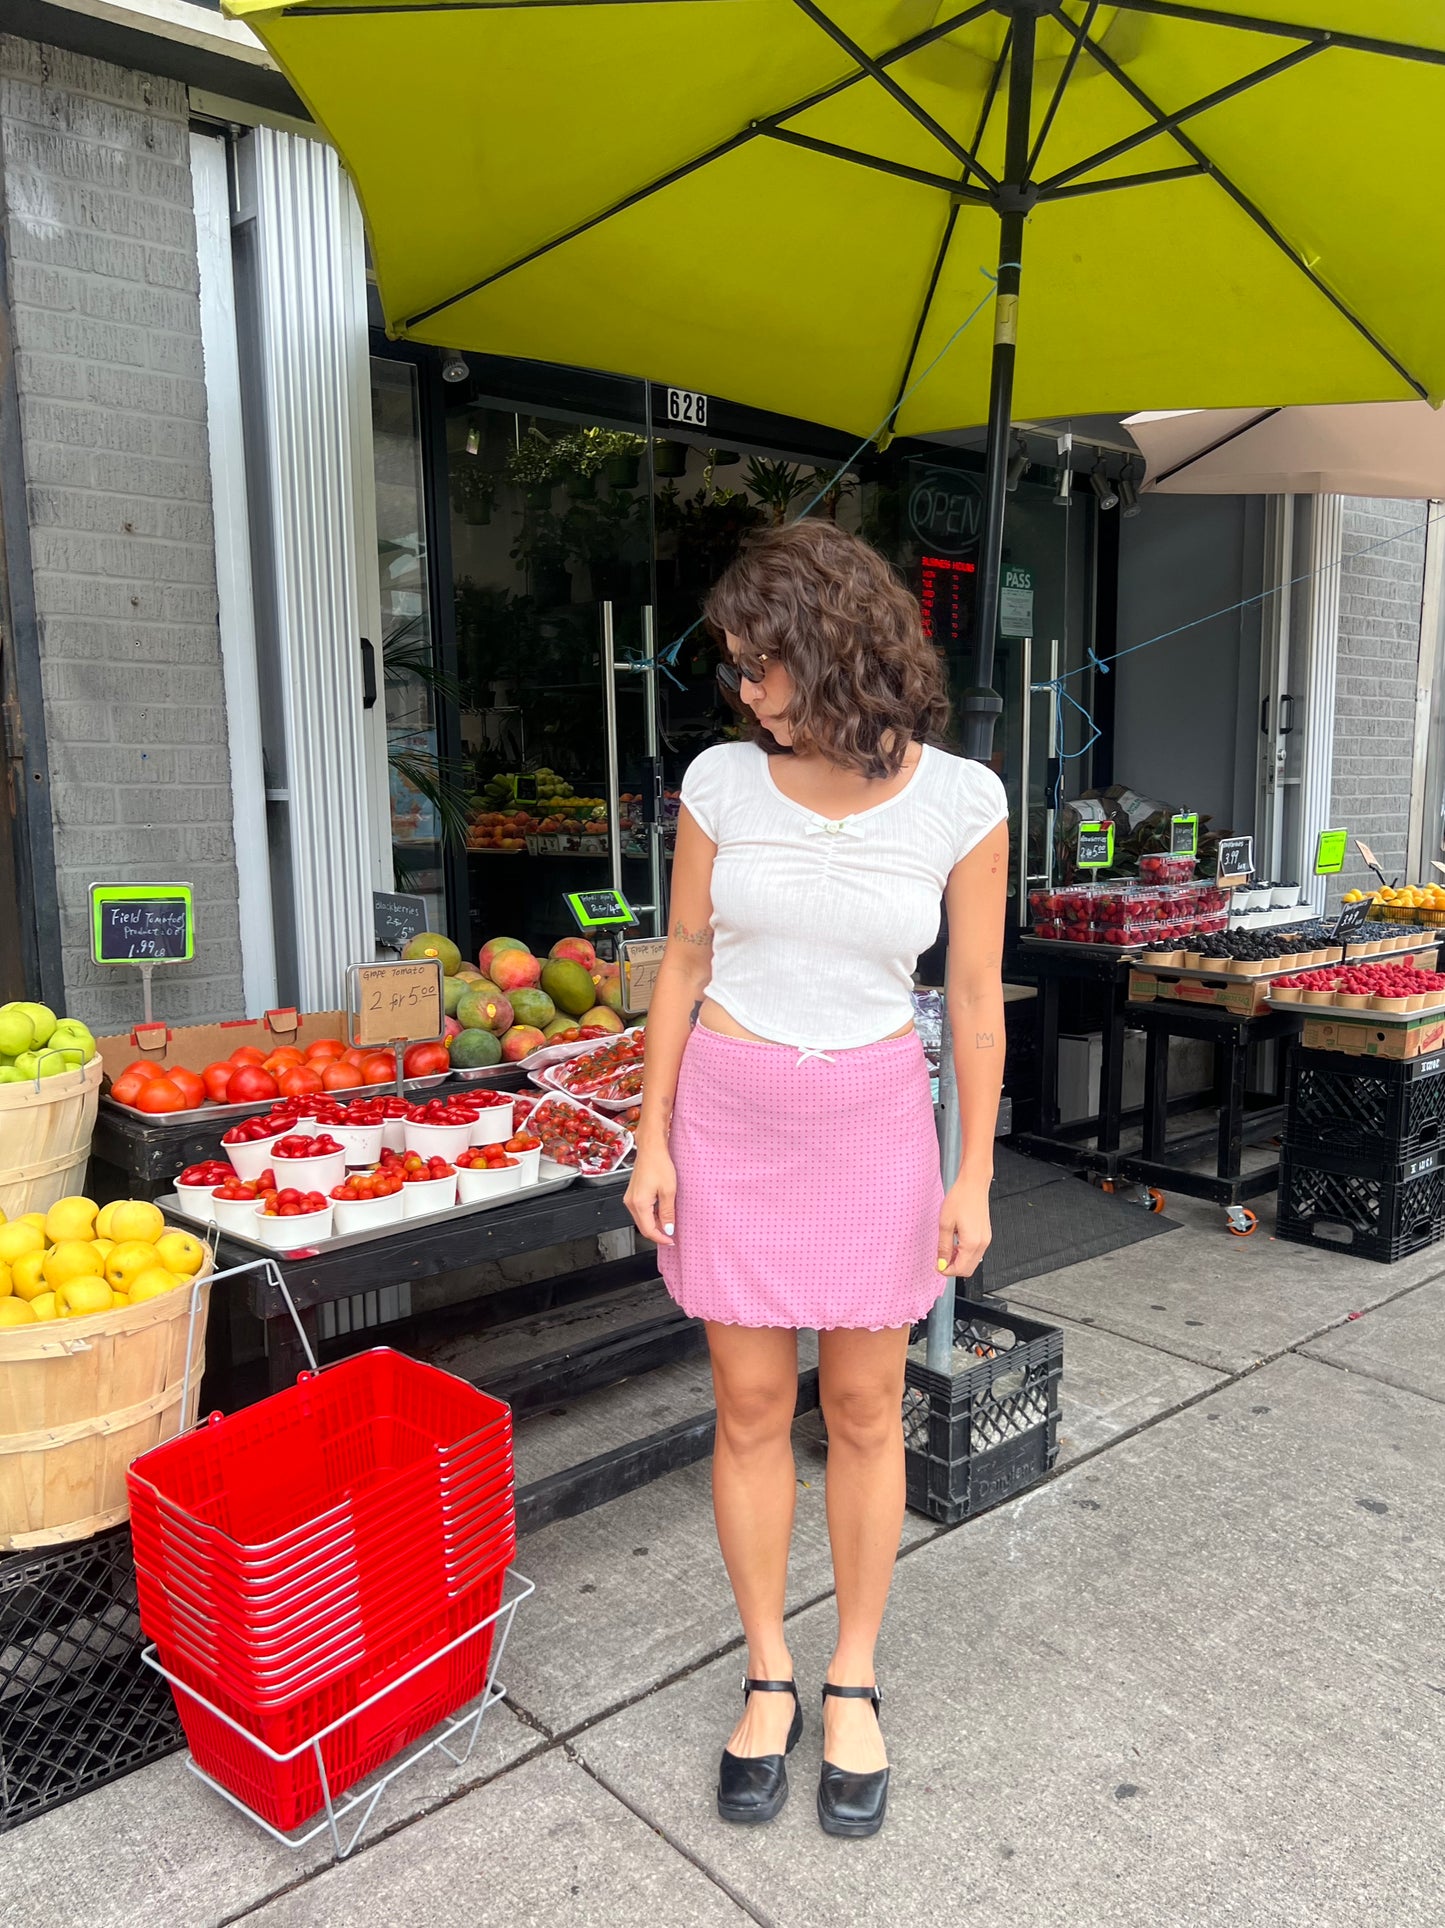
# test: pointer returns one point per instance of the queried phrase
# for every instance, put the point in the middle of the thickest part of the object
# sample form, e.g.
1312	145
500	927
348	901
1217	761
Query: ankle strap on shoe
770	1687
875	1694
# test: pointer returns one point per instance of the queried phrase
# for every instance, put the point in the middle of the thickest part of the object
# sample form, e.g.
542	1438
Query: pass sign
397	1003
142	924
1095	847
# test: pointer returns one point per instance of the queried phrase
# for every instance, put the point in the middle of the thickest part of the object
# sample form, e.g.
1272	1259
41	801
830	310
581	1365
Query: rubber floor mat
1045	1217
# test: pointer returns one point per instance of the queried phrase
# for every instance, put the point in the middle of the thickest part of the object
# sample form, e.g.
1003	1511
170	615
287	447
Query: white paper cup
530	1162
495	1126
198	1201
251	1159
310	1174
236	1215
360	1144
393	1134
1284	896
286	1234
424	1195
476	1182
364	1214
438	1141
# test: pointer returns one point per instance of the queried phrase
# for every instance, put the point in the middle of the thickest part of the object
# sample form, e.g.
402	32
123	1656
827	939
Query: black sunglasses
732	676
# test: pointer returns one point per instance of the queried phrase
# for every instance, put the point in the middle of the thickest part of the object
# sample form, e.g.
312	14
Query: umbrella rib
1060	89
1191	171
944	182
758	128
1223	441
1166	123
1256	214
1357	43
926	307
875	71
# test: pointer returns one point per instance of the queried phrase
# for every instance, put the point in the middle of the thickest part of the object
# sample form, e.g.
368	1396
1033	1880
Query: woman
787	1165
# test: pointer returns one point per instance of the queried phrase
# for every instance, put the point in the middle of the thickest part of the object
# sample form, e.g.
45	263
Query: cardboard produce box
1242	997
1356	1037
197	1045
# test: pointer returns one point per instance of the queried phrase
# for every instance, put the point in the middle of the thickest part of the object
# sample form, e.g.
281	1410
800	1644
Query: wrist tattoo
983	1040
685	936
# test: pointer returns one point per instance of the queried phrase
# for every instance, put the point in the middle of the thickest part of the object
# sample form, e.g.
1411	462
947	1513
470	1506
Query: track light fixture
454	367
1101	485
1018	461
1128	489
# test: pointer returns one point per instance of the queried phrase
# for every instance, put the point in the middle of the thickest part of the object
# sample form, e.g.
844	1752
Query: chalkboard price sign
1350	920
1095	846
600	910
1236	858
142	924
397	918
1184	836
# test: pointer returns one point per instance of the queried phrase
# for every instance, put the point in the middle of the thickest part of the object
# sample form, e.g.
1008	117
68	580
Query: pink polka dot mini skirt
808	1187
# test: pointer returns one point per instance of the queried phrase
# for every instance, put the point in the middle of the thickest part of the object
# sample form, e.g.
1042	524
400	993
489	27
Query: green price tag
600	910
142	924
1330	852
1095	847
1184	836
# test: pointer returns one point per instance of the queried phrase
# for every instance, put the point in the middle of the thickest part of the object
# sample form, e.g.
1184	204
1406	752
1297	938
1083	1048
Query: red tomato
250	1084
127	1086
158	1095
353	1055
216	1077
143	1068
283	1057
325	1048
190	1084
425	1060
340	1076
380	1068
298	1081
247	1054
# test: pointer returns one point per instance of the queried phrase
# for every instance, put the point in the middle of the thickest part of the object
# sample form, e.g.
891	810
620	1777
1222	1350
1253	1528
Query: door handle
368	675
1286	729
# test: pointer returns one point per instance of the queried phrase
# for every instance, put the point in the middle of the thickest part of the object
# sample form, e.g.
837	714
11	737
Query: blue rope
670	654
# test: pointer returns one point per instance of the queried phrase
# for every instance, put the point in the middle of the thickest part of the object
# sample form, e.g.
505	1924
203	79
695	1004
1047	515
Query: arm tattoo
685	936
983	1040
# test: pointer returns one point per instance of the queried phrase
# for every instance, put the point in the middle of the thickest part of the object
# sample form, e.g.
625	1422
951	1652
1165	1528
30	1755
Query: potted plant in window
532	466
774	484
669	458
473	491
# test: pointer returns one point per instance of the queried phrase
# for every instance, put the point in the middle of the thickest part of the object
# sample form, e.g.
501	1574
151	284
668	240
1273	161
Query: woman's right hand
651	1195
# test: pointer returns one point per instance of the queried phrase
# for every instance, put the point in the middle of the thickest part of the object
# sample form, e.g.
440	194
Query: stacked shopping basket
321	1573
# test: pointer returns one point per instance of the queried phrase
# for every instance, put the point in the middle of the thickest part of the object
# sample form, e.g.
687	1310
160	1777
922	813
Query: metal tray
1352	1014
556	1180
228	1115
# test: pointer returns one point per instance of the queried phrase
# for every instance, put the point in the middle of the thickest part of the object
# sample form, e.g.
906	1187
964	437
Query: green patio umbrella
797	204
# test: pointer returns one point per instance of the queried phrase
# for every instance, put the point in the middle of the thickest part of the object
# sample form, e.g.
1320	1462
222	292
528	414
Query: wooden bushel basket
45	1130
80	1399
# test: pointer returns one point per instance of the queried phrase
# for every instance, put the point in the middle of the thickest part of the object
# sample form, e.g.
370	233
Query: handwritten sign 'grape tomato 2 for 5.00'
396	1004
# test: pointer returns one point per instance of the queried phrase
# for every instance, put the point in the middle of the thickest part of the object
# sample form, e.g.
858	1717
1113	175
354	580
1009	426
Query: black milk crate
77	1706
977	1436
1339	1103
1373	1206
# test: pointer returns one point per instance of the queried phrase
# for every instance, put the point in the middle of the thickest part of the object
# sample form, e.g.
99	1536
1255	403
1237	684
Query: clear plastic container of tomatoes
576	1136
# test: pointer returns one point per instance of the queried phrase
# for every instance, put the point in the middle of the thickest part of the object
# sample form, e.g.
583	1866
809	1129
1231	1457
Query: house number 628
686	405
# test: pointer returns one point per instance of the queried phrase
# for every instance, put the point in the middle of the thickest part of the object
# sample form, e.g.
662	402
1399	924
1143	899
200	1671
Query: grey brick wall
1381	586
96	187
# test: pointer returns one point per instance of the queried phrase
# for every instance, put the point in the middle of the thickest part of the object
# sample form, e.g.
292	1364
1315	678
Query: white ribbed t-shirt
818	923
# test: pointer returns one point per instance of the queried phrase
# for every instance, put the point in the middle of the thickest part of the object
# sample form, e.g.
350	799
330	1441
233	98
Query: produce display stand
1055	964
1244	1117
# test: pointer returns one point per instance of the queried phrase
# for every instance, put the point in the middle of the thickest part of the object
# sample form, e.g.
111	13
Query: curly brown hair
831	610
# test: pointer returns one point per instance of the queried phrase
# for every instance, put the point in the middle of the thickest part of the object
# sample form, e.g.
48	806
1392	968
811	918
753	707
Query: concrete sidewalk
1195	1677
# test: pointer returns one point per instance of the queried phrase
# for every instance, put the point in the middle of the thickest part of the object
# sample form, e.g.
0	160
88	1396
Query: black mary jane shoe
754	1789
852	1804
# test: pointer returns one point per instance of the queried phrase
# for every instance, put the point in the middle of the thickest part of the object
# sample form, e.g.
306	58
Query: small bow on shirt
828	827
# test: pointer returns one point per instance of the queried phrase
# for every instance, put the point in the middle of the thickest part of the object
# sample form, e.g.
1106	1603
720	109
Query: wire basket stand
345	1818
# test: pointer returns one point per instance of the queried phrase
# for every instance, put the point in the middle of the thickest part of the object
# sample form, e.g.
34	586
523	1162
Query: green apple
9	1075
17	1030
72	1037
41	1064
41	1016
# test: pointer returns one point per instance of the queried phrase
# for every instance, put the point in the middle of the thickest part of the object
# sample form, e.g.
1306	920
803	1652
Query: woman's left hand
964	1229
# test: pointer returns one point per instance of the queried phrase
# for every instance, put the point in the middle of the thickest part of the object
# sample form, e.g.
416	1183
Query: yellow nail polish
943	1265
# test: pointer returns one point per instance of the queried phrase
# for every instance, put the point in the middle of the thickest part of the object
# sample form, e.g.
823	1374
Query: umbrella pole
982	703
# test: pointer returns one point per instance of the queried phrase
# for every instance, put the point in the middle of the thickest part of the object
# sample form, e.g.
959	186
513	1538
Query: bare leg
754	1486
861	1382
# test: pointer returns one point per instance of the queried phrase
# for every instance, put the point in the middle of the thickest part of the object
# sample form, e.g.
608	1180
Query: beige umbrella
1370	448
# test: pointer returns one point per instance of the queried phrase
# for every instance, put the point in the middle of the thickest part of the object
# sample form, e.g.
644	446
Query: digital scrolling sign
946	589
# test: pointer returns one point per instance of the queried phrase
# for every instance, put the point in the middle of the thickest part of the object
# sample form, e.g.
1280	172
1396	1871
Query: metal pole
614	781
939	1355
1015	196
652	700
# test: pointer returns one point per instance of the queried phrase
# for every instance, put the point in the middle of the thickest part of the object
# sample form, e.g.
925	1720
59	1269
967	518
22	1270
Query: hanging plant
473	491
